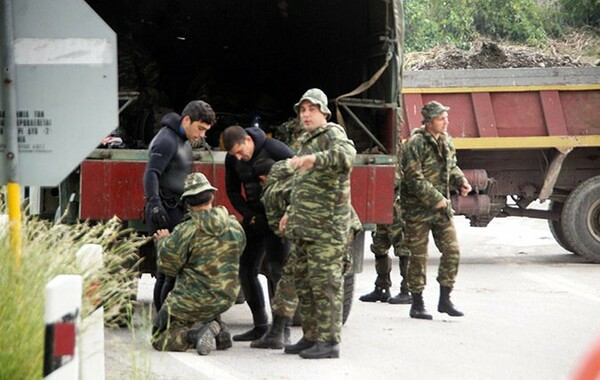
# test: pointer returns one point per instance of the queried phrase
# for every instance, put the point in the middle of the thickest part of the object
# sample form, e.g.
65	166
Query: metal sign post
11	152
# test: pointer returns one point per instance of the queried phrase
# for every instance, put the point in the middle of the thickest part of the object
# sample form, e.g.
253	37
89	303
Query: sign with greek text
67	88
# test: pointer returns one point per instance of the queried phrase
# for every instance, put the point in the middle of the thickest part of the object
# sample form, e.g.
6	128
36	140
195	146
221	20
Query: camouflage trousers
285	300
384	237
318	276
417	238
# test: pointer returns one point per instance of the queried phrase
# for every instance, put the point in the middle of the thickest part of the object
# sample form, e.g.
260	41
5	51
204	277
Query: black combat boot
445	305
404	297
379	294
322	350
273	338
300	346
224	337
417	309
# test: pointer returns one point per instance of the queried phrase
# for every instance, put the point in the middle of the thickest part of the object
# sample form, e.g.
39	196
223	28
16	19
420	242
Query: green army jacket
320	199
429	173
276	194
203	253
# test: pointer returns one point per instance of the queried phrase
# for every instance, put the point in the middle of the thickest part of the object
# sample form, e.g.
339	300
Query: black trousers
271	249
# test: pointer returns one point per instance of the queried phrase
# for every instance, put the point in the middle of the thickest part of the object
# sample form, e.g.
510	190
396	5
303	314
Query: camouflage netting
486	55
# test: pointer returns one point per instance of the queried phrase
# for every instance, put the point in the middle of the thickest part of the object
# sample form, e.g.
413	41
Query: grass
49	250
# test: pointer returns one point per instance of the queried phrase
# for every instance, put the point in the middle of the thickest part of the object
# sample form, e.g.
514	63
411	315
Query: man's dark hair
233	135
262	166
199	110
200	198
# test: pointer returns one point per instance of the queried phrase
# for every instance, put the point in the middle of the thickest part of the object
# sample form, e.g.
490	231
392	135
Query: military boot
404	297
445	305
379	294
274	337
204	338
417	309
224	337
300	346
322	350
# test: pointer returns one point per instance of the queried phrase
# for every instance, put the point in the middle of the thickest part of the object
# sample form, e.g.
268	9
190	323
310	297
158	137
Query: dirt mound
486	55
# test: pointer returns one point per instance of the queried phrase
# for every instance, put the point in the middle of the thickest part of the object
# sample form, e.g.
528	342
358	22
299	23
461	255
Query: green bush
47	251
580	13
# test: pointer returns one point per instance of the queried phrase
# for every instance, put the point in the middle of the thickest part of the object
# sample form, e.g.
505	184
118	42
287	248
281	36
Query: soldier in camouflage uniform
318	223
203	254
276	179
384	237
430	172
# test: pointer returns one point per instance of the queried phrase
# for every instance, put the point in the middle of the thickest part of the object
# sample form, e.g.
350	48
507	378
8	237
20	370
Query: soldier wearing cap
430	173
203	253
317	221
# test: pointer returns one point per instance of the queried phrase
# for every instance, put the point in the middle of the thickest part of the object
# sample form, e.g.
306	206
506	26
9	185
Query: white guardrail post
90	258
74	349
62	318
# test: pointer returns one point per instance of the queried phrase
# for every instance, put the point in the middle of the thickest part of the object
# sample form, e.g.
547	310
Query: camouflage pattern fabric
430	172
203	253
320	199
318	225
289	132
276	194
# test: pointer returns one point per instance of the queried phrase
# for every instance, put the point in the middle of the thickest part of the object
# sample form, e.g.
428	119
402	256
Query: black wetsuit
169	162
261	240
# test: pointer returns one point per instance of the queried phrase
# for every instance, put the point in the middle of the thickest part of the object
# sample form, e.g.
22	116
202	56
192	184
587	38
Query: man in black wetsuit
244	147
169	162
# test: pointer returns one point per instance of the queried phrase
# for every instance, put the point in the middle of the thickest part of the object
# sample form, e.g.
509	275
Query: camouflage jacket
276	194
320	199
429	173
203	252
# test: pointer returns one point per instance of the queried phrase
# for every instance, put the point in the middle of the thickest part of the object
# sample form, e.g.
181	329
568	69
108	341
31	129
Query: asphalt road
531	313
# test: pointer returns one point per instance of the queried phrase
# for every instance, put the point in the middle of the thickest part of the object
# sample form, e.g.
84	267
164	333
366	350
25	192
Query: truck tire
348	295
555	227
581	219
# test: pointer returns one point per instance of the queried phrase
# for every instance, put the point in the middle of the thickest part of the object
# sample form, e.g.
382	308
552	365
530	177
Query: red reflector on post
64	339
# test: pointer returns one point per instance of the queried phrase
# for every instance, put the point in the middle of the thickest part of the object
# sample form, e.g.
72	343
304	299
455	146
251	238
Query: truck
522	135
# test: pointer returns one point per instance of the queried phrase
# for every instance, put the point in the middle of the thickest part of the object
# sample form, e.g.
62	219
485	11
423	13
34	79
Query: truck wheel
348	295
581	219
556	228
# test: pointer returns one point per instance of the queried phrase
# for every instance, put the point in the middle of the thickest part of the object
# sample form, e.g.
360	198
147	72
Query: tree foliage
458	22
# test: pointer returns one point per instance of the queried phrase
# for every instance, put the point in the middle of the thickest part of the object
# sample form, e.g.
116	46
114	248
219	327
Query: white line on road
206	370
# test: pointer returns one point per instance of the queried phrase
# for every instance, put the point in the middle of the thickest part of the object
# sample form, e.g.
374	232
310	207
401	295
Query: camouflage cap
315	96
195	183
433	109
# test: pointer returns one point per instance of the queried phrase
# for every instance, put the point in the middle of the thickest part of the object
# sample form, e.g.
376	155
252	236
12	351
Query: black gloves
156	215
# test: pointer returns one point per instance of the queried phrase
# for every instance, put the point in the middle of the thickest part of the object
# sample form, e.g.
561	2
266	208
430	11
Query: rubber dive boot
445	305
253	334
273	338
417	309
322	350
300	346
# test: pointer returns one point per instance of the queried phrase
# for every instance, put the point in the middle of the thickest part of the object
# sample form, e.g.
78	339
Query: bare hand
159	234
465	189
283	222
303	163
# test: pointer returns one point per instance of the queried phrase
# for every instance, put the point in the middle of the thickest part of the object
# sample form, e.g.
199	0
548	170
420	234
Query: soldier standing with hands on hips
430	172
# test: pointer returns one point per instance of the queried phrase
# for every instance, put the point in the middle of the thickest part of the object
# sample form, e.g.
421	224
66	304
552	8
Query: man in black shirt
244	147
